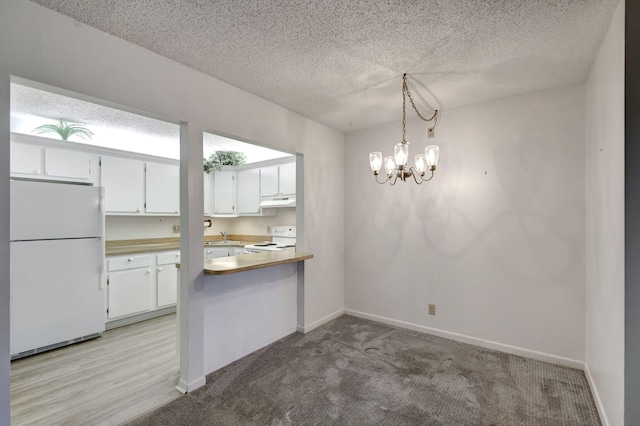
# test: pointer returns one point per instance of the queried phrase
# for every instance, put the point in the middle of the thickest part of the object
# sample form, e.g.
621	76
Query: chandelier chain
405	93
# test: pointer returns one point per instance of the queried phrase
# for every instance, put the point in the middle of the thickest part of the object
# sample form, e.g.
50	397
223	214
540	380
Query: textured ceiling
340	62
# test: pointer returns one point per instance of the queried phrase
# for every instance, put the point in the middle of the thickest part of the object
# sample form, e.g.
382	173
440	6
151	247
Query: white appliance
283	237
274	202
56	257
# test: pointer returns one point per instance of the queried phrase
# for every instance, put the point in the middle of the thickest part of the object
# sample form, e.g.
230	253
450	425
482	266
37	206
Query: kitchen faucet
224	235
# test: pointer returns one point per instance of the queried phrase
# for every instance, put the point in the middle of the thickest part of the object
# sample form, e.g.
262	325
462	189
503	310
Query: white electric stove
283	237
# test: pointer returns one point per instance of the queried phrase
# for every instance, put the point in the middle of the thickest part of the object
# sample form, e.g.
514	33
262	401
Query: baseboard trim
140	317
321	321
184	387
514	350
596	395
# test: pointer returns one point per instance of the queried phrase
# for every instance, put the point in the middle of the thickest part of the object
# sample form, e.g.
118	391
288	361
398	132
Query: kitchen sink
222	243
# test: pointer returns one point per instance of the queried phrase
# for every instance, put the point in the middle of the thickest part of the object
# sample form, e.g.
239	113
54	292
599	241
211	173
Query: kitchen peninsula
234	264
248	303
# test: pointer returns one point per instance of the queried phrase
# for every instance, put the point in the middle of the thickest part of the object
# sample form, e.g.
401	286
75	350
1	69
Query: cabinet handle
137	210
130	259
159	269
176	212
148	271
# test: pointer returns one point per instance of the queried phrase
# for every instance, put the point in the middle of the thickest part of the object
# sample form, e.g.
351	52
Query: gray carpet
357	372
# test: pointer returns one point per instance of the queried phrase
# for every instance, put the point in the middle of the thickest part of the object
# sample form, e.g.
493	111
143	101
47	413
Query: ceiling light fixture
396	168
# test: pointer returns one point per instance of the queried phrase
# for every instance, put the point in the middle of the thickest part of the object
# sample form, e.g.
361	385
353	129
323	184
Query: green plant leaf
223	158
65	130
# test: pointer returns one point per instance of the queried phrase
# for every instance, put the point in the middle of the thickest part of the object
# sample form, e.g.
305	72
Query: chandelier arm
430	177
394	180
383	182
415	175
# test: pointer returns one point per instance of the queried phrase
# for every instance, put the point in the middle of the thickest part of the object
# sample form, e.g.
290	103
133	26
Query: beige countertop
117	247
248	262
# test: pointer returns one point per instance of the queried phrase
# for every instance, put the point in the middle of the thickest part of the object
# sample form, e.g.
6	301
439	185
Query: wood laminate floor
106	381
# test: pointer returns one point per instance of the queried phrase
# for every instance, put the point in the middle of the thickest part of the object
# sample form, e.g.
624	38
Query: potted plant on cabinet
223	158
65	130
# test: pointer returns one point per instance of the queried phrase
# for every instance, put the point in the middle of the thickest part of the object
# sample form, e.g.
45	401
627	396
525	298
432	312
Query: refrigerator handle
101	233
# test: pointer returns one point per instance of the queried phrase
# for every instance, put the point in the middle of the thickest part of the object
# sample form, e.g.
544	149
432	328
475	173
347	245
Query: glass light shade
389	165
401	152
421	163
375	160
432	154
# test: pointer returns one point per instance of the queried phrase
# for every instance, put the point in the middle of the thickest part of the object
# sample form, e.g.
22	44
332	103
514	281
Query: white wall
4	250
496	240
605	222
41	45
259	305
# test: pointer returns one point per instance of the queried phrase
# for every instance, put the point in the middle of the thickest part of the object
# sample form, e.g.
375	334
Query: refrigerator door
46	211
55	292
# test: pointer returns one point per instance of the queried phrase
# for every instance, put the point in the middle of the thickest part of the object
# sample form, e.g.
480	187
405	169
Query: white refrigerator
56	261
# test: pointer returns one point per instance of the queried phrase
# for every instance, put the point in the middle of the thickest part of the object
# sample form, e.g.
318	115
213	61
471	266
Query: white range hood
273	202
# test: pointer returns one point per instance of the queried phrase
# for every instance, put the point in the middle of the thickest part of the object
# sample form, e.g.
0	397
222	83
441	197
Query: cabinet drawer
168	258
129	262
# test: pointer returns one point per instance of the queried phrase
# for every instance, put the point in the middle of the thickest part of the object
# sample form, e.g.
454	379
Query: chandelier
396	166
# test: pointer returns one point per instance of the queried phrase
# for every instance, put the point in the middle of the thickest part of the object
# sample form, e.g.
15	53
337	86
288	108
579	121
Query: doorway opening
99	321
250	192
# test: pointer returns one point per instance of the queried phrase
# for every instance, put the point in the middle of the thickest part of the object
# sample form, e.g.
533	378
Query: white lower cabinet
129	286
167	278
141	283
212	253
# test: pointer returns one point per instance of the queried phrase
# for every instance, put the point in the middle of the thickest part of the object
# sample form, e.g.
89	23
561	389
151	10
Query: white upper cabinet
123	180
269	181
249	191
68	164
207	193
224	192
287	178
278	180
162	189
26	159
43	162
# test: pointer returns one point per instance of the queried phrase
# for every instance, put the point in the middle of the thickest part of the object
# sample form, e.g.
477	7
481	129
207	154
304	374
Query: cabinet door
288	179
167	278
212	253
67	164
207	194
26	159
129	292
123	180
269	181
224	192
249	191
162	188
167	282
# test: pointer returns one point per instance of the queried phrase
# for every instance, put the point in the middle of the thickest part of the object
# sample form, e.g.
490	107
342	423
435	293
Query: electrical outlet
431	133
176	229
432	309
